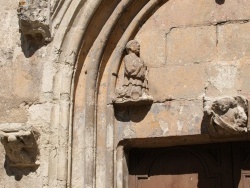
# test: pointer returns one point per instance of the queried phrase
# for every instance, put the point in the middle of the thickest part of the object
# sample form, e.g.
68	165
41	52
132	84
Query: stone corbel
20	146
34	19
227	115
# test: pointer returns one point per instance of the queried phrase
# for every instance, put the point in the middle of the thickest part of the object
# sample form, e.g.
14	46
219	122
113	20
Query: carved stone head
221	106
228	115
133	46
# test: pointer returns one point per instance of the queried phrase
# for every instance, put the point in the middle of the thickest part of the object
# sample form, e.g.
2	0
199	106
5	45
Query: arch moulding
89	39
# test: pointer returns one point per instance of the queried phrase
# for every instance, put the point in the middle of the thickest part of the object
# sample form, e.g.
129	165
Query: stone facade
62	62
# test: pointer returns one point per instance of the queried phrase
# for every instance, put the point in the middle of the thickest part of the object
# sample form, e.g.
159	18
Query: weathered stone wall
60	84
193	50
21	68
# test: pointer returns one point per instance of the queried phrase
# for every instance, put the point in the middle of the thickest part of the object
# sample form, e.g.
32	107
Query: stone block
191	45
188	12
194	13
26	77
20	86
166	119
174	82
231	11
222	78
244	78
5	81
233	41
11	113
153	46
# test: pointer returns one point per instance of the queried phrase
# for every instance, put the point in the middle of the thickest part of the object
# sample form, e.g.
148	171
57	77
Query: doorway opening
217	165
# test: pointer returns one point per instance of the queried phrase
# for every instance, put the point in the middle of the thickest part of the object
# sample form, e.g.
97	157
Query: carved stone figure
20	146
228	115
135	86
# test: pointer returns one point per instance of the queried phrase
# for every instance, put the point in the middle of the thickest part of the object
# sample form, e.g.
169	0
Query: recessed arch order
90	37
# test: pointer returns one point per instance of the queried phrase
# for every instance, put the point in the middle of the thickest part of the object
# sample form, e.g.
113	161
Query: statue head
133	46
223	105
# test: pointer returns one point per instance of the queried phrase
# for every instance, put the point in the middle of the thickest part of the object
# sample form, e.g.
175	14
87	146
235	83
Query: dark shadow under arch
213	165
220	2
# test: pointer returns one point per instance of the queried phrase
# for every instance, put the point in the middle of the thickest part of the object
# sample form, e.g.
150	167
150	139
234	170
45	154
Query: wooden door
241	164
222	165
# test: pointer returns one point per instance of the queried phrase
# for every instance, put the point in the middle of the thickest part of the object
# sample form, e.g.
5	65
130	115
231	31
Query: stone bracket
34	19
20	146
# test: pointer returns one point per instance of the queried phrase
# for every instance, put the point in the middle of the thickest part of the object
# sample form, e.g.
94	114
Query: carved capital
20	146
227	115
34	18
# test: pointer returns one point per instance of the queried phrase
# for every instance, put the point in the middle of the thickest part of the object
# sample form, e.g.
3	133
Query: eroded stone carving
20	146
34	18
228	115
135	86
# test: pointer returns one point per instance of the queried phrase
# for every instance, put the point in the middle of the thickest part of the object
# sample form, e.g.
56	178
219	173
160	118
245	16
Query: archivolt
90	40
